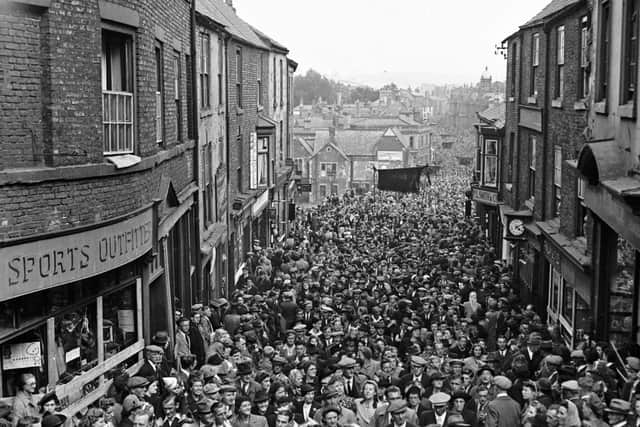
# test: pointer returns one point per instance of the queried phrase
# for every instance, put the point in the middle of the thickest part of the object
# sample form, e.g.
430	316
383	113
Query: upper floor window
275	83
581	214
239	77
159	93
328	169
532	167
630	52
603	50
583	82
514	68
117	92
535	62
263	161
220	71
259	78
177	86
490	163
281	83
205	69
559	62
557	179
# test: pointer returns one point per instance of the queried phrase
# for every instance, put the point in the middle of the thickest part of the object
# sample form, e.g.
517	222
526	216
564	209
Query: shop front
71	311
260	220
487	202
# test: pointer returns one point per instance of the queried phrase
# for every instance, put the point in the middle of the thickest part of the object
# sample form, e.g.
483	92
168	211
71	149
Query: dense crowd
377	310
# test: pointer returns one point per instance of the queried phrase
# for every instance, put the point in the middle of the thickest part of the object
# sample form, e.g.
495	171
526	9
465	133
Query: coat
182	347
253	421
381	418
24	405
503	411
429	417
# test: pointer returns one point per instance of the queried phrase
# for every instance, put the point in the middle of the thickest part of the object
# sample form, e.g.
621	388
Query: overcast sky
408	41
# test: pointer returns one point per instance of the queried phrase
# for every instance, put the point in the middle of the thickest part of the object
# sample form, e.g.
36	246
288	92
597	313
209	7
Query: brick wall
241	121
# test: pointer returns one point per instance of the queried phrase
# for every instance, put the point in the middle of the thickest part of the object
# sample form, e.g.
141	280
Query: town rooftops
269	41
219	11
494	115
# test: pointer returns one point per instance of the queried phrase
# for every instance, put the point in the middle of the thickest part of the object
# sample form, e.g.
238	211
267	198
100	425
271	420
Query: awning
602	161
216	233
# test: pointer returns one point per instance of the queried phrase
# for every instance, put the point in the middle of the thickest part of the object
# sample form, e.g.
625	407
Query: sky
409	42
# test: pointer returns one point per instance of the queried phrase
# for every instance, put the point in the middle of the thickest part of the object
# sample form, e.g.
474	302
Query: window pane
567	303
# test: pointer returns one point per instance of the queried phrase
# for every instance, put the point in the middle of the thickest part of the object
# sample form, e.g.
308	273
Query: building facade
99	188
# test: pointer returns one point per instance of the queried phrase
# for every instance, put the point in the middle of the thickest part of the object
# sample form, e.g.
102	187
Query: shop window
323	191
25	354
555	283
120	321
567	303
621	293
334	189
263	161
582	316
581	216
76	340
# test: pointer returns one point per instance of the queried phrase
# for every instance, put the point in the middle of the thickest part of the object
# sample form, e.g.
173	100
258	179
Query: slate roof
552	8
494	114
269	41
358	142
221	12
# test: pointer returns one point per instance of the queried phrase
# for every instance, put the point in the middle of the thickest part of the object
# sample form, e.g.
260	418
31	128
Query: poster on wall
22	355
126	321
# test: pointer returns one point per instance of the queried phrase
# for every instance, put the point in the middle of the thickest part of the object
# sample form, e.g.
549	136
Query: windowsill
206	112
260	108
508	187
221	109
600	107
512	99
38	3
532	100
239	111
580	105
556	103
627	111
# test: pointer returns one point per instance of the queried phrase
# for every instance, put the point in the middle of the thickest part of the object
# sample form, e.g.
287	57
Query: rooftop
221	12
552	8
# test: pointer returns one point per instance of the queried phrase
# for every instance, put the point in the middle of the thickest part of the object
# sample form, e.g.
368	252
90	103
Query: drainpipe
230	269
196	151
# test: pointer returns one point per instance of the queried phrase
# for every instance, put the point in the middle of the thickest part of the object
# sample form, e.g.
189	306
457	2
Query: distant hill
313	87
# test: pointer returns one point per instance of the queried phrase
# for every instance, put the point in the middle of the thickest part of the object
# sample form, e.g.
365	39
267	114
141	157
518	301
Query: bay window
490	163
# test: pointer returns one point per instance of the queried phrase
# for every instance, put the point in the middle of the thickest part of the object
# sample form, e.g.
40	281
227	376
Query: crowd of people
377	310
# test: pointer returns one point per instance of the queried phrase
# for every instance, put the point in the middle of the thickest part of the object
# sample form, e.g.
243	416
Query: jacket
503	411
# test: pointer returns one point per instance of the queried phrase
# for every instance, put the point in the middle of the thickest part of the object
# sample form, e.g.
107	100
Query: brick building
99	187
545	237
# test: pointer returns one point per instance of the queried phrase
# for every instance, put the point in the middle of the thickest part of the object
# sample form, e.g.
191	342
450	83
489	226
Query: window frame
130	46
160	93
583	79
535	62
560	57
629	67
604	50
177	89
239	74
581	207
485	156
259	78
557	179
514	68
532	166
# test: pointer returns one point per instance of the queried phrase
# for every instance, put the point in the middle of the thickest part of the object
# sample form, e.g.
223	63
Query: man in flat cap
439	413
503	411
153	367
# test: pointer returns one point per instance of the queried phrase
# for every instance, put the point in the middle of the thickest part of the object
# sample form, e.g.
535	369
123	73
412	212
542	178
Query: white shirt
440	418
306	408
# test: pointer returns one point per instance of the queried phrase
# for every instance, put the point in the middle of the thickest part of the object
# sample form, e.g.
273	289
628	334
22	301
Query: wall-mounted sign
260	203
47	263
485	196
22	355
531	118
304	188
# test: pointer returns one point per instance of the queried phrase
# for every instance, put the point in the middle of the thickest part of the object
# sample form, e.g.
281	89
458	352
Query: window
490	163
411	143
299	165
281	156
220	71
205	69
514	68
239	77
584	58
327	169
206	180
532	167
281	84
557	179
259	74
535	61
555	280
603	50
275	83
263	161
630	52
189	98
177	85
117	92
159	94
581	215
239	170
559	62
334	189
323	191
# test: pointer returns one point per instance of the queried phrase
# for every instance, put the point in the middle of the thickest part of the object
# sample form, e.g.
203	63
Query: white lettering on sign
47	263
390	156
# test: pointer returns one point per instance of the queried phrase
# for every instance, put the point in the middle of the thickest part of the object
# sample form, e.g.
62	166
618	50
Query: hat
196	307
458	362
219	302
502	382
53	420
461	395
261	396
328	409
161	337
279	360
534	339
329	394
154	349
306	388
439	399
577	354
397	406
299	327
204	406
418	361
228	388
544	384
619	406
585	383
244	369
634	363
211	388
268	350
346	362
553	359
437	375
486	368
137	381
130	403
571	385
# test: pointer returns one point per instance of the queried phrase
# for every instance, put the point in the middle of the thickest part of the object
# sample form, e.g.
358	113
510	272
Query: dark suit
408	424
298	409
151	372
429	417
503	411
532	362
357	383
250	390
407	380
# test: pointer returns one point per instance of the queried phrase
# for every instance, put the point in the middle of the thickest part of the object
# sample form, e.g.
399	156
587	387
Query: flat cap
346	362
137	381
418	361
553	359
571	385
634	363
154	349
204	406
619	406
131	402
211	388
196	307
228	388
398	405
577	354
502	382
439	399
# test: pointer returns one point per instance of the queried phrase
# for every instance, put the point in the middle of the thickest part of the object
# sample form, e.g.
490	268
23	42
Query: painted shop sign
485	196
48	263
